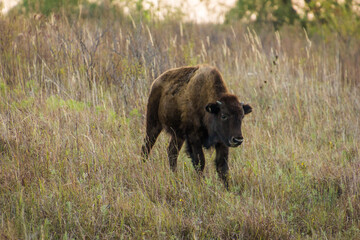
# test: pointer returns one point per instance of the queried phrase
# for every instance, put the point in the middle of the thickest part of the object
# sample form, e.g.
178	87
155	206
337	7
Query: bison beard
194	105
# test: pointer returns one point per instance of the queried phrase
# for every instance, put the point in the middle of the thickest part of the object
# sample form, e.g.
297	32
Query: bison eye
224	117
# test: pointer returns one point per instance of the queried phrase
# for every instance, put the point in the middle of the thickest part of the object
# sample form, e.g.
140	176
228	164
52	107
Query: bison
194	105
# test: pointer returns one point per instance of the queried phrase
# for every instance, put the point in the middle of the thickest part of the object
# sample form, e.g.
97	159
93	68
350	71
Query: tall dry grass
72	104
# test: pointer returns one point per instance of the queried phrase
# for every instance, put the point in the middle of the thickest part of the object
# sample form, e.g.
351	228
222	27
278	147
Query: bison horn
218	102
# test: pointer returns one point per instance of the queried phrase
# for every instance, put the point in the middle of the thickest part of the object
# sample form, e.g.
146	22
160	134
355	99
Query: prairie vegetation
73	94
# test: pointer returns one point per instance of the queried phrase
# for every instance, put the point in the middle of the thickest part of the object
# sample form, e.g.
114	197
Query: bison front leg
197	156
221	162
173	151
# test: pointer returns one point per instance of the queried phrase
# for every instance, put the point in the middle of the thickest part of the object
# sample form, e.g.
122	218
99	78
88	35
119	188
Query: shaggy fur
194	105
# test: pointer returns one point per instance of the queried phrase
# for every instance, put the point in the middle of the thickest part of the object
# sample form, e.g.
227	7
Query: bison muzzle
194	105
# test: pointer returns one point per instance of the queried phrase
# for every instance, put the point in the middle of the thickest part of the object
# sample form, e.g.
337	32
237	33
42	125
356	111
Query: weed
72	103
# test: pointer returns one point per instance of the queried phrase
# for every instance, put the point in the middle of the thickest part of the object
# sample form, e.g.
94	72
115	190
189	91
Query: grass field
72	104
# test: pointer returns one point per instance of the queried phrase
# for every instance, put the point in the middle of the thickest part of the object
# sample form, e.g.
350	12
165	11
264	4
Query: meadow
73	96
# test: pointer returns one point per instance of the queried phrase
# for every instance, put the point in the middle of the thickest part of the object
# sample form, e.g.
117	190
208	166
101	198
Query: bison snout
236	141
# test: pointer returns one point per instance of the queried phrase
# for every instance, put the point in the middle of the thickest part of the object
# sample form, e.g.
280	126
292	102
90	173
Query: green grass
72	105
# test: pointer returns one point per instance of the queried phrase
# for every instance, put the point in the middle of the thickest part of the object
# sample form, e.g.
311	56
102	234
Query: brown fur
183	101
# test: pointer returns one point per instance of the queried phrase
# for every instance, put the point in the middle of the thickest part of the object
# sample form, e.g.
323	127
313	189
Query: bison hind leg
153	124
152	132
173	151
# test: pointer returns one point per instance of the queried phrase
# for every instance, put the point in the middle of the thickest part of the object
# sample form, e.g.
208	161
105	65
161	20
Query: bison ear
213	108
247	109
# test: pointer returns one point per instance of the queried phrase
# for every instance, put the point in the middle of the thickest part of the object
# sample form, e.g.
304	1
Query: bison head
225	119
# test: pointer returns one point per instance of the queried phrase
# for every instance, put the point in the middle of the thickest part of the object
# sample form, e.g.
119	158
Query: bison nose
237	140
